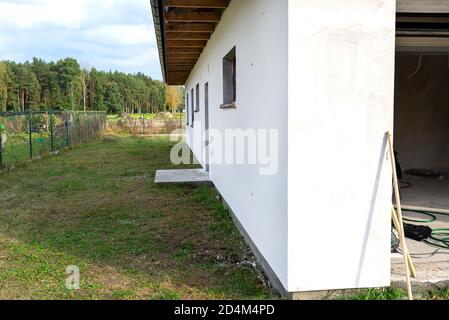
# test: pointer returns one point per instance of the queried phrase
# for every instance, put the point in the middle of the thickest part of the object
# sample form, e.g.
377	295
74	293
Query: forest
65	85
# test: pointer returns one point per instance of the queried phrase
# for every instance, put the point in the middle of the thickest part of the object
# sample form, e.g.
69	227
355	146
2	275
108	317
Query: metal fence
28	135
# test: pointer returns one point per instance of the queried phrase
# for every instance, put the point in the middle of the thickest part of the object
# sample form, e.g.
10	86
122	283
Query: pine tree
68	74
63	85
4	81
113	98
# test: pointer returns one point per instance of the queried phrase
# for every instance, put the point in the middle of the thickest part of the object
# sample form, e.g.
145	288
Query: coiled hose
440	236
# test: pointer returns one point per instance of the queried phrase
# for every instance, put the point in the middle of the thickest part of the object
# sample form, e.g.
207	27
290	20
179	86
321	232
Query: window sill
229	106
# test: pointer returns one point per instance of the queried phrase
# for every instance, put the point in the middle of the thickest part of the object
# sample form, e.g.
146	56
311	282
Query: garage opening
421	134
422	127
422	107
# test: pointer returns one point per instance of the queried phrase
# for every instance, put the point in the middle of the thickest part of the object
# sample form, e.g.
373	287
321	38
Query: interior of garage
422	144
422	141
422	128
421	135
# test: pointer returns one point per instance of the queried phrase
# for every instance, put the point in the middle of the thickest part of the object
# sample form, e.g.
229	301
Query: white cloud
31	14
120	35
106	34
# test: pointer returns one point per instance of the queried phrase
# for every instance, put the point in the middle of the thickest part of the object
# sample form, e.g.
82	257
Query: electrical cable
424	173
405	184
426	255
420	63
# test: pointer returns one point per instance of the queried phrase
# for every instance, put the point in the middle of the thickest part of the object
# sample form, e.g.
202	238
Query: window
193	113
229	80
187	110
197	109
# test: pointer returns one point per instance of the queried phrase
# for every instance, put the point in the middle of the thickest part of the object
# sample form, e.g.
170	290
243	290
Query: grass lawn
17	150
398	294
96	207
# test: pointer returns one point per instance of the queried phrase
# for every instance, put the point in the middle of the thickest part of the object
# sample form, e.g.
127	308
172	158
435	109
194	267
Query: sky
105	34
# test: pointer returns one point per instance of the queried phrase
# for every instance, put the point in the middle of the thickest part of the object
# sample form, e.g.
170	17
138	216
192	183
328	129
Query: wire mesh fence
30	135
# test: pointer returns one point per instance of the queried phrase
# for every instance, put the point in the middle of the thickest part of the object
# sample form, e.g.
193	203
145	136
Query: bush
3	136
164	116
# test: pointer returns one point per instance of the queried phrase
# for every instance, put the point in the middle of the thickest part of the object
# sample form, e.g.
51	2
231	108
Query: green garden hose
439	237
432	217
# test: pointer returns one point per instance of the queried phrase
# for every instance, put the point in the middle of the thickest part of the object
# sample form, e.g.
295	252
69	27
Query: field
145	124
96	207
151	116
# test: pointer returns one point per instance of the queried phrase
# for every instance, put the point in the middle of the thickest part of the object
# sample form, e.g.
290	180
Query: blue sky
105	34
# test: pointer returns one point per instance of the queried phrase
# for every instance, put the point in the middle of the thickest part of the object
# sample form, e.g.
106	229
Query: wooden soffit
183	28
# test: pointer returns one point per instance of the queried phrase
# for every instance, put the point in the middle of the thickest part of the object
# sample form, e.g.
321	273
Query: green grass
377	294
438	294
17	149
96	207
398	294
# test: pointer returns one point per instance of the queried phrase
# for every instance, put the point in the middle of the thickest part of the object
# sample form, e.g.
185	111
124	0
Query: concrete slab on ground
432	263
430	193
197	176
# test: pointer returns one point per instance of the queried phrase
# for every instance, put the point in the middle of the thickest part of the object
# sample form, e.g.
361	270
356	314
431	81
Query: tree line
65	85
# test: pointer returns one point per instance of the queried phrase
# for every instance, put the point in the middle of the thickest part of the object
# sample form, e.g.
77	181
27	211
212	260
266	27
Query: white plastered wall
258	29
341	89
322	73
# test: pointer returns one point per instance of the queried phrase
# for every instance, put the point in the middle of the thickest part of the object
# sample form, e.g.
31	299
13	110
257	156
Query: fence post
30	134
89	127
52	137
94	125
80	139
67	130
1	149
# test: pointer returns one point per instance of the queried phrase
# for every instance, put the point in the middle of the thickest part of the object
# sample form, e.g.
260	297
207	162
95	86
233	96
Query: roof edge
158	16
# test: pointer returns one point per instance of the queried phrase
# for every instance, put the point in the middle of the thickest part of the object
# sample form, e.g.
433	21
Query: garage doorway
422	109
422	128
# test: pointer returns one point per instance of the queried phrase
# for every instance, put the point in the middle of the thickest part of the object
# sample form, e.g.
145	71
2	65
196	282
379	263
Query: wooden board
422	6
